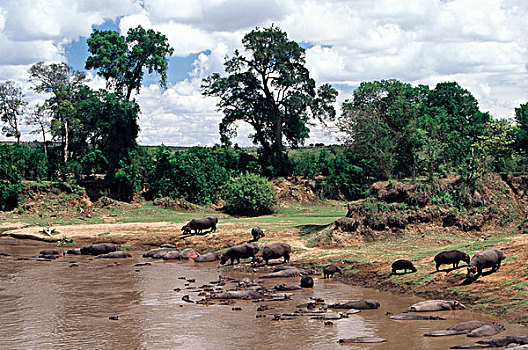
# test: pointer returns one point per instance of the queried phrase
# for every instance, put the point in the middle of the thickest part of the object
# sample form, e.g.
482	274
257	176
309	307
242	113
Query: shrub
249	194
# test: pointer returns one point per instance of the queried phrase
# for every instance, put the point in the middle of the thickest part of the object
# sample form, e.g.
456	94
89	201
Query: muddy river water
54	305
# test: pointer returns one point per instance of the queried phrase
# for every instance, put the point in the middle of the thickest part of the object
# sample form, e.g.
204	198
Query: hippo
444	333
199	224
115	255
99	248
487	330
362	340
329	270
436	305
76	251
487	258
273	251
189	253
284	287
450	257
504	341
363	304
407	316
52	252
207	257
468	326
158	253
238	252
257	233
173	254
289	272
402	265
307	282
239	294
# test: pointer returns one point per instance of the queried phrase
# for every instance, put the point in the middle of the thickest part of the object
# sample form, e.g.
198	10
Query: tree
271	90
521	117
63	84
12	106
122	61
40	117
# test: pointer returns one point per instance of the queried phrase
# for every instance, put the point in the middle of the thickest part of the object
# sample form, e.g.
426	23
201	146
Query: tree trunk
65	150
44	138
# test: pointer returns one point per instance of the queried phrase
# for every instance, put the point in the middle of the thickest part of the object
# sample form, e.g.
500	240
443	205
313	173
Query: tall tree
12	106
40	117
271	90
122	61
62	83
521	117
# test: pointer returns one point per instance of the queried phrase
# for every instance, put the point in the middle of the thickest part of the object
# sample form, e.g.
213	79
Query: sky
481	44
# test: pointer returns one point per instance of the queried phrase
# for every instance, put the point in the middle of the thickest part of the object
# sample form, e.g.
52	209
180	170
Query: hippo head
472	272
258	259
223	259
186	229
338	269
466	259
458	306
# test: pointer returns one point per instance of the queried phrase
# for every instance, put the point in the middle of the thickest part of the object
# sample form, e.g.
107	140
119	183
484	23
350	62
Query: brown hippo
363	304
436	305
238	252
273	251
485	259
450	257
189	253
159	253
99	248
52	252
257	233
115	255
173	254
329	270
407	316
200	224
207	257
487	330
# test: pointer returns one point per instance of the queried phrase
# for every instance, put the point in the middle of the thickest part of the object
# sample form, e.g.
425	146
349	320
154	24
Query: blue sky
483	45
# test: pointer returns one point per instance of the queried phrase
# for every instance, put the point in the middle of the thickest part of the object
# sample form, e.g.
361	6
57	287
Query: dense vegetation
392	129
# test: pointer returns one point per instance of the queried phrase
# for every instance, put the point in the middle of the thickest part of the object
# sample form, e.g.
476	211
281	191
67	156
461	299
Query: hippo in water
329	270
189	253
52	252
200	224
487	330
207	257
402	265
289	272
436	305
468	326
363	304
450	257
273	251
485	259
115	255
99	248
307	282
242	251
407	316
159	253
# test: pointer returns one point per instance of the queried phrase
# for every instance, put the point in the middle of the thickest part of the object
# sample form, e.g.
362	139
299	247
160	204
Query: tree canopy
123	60
271	90
12	107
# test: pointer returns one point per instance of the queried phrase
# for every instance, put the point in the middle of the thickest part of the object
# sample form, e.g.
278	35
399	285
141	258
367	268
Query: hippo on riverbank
207	257
402	265
115	255
200	224
76	251
242	251
450	257
435	305
158	253
189	254
99	248
52	252
363	304
173	254
329	270
273	251
487	330
485	259
497	342
257	233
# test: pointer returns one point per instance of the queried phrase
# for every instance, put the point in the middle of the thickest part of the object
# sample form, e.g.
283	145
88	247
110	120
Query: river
57	305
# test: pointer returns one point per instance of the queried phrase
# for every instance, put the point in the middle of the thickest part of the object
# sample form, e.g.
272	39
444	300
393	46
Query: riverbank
309	228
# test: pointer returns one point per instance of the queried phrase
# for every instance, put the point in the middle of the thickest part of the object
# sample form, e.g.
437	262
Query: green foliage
12	106
521	117
94	163
249	194
271	90
122	61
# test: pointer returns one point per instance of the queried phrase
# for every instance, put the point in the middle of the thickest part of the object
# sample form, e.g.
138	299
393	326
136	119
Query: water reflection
50	305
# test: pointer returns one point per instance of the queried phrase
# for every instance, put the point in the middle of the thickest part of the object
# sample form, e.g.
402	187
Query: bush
250	195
